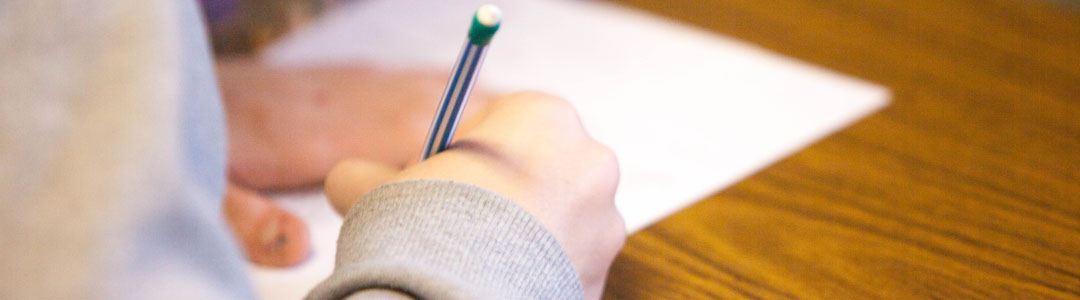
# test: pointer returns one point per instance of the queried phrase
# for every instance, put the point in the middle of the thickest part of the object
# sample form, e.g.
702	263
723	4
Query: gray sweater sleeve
435	239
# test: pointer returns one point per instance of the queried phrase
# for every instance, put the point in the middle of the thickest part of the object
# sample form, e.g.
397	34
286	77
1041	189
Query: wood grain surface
966	186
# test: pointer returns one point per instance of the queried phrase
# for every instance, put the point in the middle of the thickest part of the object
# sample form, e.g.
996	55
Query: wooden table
966	186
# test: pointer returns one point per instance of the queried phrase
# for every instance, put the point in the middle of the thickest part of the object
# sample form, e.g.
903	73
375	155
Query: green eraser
485	22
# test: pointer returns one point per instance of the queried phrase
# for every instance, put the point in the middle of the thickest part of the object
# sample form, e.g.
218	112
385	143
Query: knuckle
546	107
608	162
617	232
607	155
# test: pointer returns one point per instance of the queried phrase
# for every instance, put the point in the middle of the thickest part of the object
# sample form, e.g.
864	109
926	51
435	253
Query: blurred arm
113	154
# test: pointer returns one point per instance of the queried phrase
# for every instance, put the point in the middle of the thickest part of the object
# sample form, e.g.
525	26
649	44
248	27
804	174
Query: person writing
114	169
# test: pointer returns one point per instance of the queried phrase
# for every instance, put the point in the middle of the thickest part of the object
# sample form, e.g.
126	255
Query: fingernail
272	238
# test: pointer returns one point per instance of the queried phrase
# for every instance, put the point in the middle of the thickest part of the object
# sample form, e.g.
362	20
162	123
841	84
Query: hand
289	126
531	148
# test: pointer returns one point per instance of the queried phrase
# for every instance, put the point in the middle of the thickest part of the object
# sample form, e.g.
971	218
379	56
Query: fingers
269	235
351	179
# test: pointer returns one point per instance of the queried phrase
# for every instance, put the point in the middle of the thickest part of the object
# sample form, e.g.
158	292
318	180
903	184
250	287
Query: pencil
485	22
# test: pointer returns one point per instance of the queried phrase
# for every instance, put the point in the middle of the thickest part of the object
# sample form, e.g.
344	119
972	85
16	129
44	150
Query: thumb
351	179
270	235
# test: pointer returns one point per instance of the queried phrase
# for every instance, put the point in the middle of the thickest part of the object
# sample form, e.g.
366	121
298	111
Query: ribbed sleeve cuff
437	239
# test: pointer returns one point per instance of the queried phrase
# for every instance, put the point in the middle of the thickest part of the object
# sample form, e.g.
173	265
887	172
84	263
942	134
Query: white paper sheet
686	111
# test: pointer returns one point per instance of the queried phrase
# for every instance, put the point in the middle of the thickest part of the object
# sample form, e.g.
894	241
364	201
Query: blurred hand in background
288	126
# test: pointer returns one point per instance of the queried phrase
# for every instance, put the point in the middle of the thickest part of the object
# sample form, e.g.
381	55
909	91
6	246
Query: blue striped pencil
485	22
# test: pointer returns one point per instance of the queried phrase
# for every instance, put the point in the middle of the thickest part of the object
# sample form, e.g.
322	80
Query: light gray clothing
445	240
112	171
112	165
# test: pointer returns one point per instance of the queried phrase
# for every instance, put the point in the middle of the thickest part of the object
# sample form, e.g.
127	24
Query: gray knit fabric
436	239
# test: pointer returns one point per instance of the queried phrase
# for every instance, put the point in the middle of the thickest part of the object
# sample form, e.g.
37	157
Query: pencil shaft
455	96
